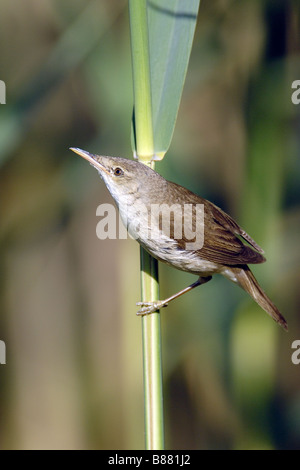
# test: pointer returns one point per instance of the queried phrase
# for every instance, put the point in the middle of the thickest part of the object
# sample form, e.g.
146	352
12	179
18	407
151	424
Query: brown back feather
222	244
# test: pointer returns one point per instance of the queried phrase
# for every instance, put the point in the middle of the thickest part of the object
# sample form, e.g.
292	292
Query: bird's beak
91	158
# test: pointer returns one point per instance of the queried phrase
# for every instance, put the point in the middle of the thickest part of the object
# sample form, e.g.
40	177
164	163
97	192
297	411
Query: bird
223	246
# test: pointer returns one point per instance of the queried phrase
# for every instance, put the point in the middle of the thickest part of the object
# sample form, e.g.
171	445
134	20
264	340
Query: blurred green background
73	378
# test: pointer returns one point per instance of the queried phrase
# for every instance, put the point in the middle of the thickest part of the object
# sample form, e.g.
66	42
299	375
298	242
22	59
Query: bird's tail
247	281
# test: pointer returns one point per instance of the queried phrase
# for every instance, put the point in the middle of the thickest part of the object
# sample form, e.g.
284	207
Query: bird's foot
150	307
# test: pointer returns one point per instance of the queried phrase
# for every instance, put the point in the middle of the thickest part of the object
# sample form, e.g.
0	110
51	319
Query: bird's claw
149	307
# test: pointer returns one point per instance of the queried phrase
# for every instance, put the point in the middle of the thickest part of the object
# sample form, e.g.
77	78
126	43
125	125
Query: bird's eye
118	171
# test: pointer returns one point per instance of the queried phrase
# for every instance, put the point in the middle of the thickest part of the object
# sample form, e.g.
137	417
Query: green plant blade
142	113
171	27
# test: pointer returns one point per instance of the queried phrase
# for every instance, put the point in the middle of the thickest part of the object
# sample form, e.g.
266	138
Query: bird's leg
150	307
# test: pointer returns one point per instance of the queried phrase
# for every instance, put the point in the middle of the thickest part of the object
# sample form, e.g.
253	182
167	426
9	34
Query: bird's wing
221	240
222	243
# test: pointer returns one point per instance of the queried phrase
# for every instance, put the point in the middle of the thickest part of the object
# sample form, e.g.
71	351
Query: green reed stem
143	133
